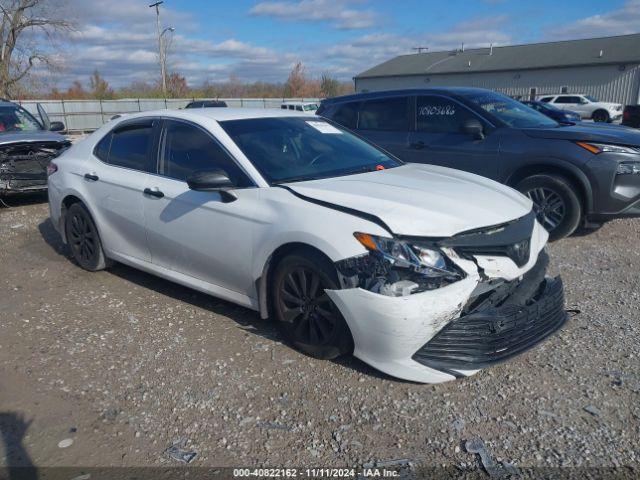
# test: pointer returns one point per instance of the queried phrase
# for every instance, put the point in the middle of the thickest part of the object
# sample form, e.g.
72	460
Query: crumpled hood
591	132
422	200
36	136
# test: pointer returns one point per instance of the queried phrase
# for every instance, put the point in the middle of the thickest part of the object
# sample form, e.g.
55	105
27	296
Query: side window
567	100
188	149
299	108
291	107
102	148
546	99
388	114
130	146
346	114
440	115
283	107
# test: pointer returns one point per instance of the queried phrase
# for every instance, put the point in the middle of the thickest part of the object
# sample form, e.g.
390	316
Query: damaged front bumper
499	309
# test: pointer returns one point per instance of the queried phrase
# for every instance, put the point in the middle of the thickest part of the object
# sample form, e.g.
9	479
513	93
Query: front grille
519	252
494	335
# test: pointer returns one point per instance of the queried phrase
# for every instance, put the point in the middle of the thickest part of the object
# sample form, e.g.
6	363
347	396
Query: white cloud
621	21
337	12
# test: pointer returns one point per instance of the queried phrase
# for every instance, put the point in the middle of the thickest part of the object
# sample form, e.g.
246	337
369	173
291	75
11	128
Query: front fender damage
387	329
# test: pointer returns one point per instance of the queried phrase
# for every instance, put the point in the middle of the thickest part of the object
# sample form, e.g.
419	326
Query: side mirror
56	127
474	128
213	181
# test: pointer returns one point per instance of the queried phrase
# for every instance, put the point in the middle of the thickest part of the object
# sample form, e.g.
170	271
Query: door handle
417	145
91	176
153	192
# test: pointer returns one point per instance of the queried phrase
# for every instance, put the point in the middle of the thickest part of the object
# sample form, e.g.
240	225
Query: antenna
420	49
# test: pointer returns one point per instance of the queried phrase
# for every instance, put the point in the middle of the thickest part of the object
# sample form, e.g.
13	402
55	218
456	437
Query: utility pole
163	76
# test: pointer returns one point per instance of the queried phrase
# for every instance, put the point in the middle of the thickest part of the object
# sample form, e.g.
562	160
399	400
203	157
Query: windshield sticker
436	110
324	127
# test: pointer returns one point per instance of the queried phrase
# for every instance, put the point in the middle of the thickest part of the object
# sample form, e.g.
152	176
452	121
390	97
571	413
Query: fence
88	115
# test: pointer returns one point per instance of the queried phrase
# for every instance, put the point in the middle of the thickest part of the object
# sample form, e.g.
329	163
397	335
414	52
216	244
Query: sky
261	40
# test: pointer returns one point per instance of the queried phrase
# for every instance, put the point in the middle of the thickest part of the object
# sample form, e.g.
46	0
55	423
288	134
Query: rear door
116	185
385	122
438	138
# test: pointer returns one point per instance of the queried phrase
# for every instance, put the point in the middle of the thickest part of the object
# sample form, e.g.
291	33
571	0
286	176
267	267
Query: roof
593	51
298	102
219	114
459	91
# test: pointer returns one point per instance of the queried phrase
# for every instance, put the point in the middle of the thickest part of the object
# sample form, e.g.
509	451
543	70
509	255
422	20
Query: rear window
127	146
388	114
346	114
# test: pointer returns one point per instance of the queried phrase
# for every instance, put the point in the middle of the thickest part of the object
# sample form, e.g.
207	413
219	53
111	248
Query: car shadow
18	463
22	199
246	319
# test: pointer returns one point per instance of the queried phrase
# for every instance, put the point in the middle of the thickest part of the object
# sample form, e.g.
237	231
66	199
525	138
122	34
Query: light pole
163	80
164	47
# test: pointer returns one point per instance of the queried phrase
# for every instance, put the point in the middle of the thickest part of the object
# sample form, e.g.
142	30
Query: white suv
586	105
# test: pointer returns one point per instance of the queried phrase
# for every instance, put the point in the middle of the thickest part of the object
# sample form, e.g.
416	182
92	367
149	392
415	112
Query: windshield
591	99
310	108
296	149
510	111
16	119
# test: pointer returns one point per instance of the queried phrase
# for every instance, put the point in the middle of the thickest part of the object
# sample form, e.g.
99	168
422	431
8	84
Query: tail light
51	169
626	115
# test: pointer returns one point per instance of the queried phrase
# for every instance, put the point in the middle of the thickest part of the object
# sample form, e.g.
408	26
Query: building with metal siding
607	68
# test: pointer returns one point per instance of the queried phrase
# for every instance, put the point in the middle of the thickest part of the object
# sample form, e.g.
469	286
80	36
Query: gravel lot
125	364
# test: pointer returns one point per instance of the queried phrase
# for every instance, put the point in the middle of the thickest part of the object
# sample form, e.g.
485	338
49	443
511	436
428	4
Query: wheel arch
264	281
69	199
558	167
603	110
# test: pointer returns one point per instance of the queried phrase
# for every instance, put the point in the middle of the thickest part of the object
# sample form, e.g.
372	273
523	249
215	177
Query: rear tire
304	313
601	116
556	203
83	239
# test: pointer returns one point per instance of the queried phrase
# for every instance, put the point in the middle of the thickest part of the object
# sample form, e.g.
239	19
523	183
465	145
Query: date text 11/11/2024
372	472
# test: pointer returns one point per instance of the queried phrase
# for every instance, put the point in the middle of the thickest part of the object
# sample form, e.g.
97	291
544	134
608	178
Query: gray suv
576	175
27	145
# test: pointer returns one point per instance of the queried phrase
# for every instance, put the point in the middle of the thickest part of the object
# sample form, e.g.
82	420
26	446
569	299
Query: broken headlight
397	268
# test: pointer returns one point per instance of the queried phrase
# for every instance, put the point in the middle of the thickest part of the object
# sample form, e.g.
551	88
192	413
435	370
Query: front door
574	104
438	138
198	233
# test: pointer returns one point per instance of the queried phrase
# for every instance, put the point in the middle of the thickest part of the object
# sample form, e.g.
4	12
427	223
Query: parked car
206	104
307	107
424	272
576	175
631	116
586	106
26	147
566	117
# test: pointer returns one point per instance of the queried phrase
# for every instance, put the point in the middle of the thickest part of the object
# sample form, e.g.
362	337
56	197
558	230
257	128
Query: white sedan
424	272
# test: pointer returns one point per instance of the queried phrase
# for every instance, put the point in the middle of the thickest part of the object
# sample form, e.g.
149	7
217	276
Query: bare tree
27	27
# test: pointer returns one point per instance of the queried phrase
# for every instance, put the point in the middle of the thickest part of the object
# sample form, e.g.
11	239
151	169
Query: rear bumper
493	335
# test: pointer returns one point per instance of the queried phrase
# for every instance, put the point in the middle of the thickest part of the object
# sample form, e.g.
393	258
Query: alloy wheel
305	304
549	206
83	239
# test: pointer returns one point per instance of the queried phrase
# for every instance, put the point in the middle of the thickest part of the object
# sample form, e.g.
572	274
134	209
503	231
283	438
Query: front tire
556	203
304	313
83	239
601	116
